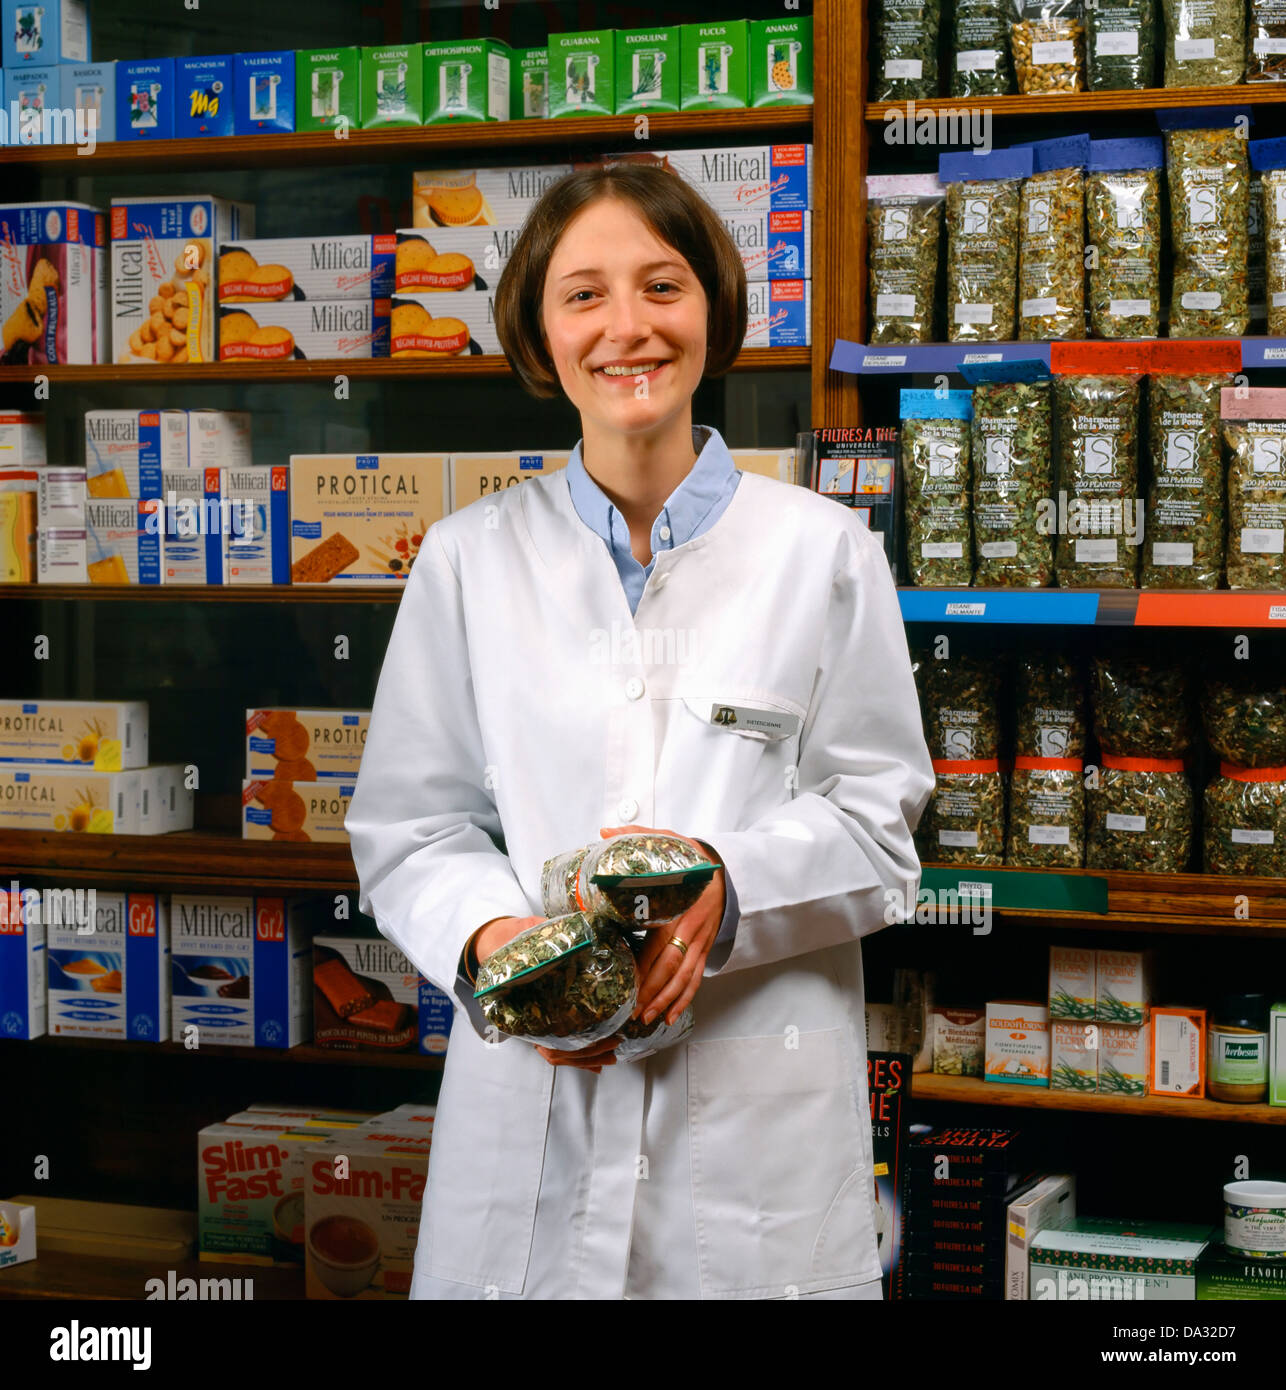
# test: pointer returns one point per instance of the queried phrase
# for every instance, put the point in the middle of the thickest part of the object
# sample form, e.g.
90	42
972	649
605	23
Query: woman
561	667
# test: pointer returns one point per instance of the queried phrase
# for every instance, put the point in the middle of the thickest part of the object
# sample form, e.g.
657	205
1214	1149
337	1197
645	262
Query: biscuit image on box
416	333
323	562
419	267
453	207
240	336
242	280
26	325
354	1010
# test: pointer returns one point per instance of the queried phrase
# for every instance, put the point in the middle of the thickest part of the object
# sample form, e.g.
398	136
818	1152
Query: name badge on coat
776	723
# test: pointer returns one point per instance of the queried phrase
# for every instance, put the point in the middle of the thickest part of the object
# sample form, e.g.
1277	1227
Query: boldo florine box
466	80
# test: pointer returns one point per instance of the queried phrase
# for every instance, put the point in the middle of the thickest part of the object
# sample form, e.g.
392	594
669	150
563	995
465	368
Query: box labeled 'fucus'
715	66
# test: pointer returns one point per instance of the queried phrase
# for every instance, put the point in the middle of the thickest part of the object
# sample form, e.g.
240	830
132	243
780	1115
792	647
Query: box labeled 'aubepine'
104	735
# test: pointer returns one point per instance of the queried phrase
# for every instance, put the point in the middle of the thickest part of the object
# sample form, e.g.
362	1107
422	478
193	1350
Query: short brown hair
678	215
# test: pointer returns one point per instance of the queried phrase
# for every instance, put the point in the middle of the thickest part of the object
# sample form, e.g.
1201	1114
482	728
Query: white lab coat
520	708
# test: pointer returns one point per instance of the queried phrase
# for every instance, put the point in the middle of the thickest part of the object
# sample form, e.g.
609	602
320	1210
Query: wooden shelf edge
1147	99
212	593
305	1054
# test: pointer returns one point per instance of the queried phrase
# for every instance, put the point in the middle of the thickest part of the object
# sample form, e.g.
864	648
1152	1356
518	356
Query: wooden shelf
306	1054
1106	103
211	593
968	1090
58	1275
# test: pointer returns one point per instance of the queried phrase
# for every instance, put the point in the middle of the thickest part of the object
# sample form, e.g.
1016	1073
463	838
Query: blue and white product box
126	451
122	545
265	92
436	1013
261	556
22	963
51	32
773	245
90	87
193	531
778	313
34	96
17	1233
146	95
741	178
203	103
165	801
219	439
239	969
109	966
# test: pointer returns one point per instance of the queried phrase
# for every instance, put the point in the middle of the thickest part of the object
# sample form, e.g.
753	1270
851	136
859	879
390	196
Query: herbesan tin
22	964
78	733
1254	1219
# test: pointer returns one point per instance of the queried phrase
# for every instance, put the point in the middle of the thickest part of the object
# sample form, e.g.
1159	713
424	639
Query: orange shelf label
1153	355
1211	610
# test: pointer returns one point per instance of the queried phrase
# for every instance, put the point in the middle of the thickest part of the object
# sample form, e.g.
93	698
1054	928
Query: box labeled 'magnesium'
204	87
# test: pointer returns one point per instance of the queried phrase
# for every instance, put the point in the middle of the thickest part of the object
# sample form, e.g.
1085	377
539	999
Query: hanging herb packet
1244	716
1011	451
935	475
1184	537
1205	42
1245	822
1046	814
1209	221
1142	706
1122	44
1051	248
983	197
1266	41
980	61
1256	504
1140	816
1123	216
906	49
1048	40
903	230
1098	418
634	879
964	822
640	1040
1268	160
958	700
1049	706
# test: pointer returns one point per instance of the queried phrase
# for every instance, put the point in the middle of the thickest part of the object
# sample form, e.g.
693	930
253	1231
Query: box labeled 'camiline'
327	88
260	555
22	962
100	734
392	86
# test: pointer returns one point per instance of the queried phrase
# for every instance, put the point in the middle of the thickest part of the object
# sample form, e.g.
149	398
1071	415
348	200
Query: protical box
294	268
779	313
466	80
715	66
123	545
451	258
307	330
260	555
741	178
1095	1258
163	274
306	745
54	31
274	809
95	734
474	476
147	95
219	439
528	83
392	86
781	62
109	977
778	464
22	962
53	283
454	323
480	197
1017	1047
647	70
204	103
22	439
773	245
38	796
265	86
17	537
582	73
89	89
240	969
165	801
327	88
126	451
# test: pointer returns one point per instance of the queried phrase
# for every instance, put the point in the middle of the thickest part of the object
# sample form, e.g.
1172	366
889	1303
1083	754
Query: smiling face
624	318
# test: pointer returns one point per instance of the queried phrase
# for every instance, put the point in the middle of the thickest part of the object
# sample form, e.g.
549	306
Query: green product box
528	83
715	68
781	62
581	68
1224	1275
467	80
647	70
328	88
392	86
1277	1055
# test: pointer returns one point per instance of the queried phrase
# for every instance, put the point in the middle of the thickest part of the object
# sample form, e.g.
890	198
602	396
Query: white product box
1072	983
1017	1043
1123	986
288	743
740	178
1277	1055
219	439
446	323
309	330
260	555
194	532
474	476
1123	1060
959	1041
39	796
440	259
17	1233
165	803
1073	1061
309	268
110	977
22	439
240	973
769	463
61	494
275	809
53	283
123	544
480	197
22	961
773	245
1049	1205
779	313
60	557
100	734
126	451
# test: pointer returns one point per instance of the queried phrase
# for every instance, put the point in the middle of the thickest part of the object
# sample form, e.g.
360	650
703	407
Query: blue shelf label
1045	606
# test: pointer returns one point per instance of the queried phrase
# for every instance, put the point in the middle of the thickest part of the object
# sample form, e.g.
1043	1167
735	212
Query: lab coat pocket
752	714
781	1177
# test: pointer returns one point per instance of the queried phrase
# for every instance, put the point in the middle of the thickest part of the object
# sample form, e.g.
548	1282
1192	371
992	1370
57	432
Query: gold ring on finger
682	945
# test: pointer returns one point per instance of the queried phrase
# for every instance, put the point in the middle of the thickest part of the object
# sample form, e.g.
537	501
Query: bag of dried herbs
1122	44
1049	706
1048	41
565	984
640	1040
1256	557
1142	704
1205	42
1184	536
1051	248
1266	41
980	61
905	49
1098	481
983	196
1046	814
635	879
1123	216
903	230
1012	457
1256	254
935	478
964	822
1268	159
1209	179
1244	716
959	702
1245	822
1140	815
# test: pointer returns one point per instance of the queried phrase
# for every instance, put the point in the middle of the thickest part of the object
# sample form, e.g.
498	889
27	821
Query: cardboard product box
307	745
959	1041
1276	1055
1123	1061
17	1233
53	31
1224	1275
466	80
773	245
474	476
1124	987
306	330
779	313
451	258
265	88
1073	1062
448	323
274	809
23	960
740	178
109	976
1177	1050
328	1114
147	98
1072	983
22	439
104	735
204	88
127	451
190	522
53	301
122	542
647	70
716	71
778	464
34	114
781	62
582	70
17	537
528	83
306	268
260	555
496	197
219	439
165	801
163	274
41	796
89	89
61	494
328	88
392	86
61	557
1048	1205
240	969
1093	1257
1017	1043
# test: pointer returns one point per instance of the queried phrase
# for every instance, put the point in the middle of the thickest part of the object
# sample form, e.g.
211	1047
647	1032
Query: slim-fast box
38	796
306	745
22	962
97	734
309	268
53	284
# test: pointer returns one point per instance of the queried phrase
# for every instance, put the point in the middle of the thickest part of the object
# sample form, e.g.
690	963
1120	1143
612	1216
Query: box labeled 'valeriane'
265	88
99	734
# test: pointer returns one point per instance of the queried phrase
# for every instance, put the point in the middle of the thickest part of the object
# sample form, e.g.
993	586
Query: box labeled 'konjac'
327	88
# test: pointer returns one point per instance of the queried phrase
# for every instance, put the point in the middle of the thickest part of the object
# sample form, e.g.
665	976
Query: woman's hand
500	931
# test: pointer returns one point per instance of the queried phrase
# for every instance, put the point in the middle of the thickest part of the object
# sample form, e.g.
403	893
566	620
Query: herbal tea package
1245	822
640	1040
905	46
1205	42
959	700
1098	472
1209	178
935	471
1140	816
1046	814
1268	159
1256	253
980	60
1051	247
1012	455
983	199
1266	41
1256	557
1142	704
1123	219
964	822
903	231
634	879
1049	706
1048	41
1244	715
1122	45
1184	534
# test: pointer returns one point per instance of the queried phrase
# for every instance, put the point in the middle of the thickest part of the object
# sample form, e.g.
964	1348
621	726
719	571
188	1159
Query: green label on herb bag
466	81
327	88
392	86
647	69
582	73
781	62
715	66
528	83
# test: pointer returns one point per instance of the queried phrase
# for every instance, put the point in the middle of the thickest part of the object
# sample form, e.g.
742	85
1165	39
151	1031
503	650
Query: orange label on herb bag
1252	774
1142	764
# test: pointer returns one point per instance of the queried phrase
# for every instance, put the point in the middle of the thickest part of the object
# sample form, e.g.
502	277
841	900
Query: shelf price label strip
1091	358
1017	891
1211	610
1062	607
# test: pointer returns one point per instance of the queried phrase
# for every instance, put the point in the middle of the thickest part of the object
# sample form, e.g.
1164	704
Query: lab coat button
664	533
659	580
634	687
627	810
